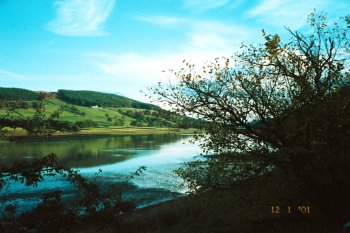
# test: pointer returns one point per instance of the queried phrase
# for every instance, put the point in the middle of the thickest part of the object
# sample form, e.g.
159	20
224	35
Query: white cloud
142	70
218	36
204	4
205	34
204	41
161	20
81	17
291	13
130	72
13	75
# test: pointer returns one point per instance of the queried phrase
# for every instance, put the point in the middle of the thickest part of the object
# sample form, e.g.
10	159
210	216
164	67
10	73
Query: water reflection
87	152
116	156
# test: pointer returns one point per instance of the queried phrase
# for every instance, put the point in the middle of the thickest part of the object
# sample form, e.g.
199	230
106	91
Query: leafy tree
25	105
35	104
73	109
133	123
87	124
148	112
38	124
108	118
119	122
273	106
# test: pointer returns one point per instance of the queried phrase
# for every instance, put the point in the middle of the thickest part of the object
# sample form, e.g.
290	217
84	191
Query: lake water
116	156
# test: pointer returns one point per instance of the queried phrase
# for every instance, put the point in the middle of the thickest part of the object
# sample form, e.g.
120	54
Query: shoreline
142	197
96	133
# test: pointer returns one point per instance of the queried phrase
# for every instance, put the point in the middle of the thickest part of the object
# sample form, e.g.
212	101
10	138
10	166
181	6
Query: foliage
119	122
133	123
38	124
137	173
282	105
92	98
15	94
86	124
159	118
73	117
42	123
73	109
53	214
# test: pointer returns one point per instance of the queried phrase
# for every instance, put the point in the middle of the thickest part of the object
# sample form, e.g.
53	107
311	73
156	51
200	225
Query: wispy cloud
291	13
161	20
204	4
11	74
218	36
81	17
205	34
141	70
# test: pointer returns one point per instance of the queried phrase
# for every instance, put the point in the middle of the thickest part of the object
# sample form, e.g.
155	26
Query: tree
38	124
108	118
119	122
133	123
273	106
24	105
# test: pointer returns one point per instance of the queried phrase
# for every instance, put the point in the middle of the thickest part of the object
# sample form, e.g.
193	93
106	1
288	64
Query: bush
87	124
119	122
133	123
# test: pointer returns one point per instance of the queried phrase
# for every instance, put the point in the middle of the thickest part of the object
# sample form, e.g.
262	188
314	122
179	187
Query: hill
15	94
93	98
88	110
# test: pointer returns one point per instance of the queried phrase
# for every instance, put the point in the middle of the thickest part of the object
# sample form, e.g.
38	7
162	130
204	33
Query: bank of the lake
246	208
20	134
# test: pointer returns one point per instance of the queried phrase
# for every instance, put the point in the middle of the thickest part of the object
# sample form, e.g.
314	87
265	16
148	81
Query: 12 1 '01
302	209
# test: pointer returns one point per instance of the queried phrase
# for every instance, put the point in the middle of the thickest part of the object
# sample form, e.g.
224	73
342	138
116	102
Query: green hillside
93	98
15	94
81	111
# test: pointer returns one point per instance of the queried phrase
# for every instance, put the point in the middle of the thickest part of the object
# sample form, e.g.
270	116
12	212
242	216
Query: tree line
15	94
92	98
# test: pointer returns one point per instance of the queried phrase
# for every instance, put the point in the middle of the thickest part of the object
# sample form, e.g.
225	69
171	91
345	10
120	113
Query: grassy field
98	115
18	132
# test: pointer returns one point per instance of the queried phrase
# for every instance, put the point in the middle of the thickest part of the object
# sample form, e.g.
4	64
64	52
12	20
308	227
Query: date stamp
299	209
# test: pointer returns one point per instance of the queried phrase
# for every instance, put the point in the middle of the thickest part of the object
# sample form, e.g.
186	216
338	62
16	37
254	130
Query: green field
85	112
97	115
105	120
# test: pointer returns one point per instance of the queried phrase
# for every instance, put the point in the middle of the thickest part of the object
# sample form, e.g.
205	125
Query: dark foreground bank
265	204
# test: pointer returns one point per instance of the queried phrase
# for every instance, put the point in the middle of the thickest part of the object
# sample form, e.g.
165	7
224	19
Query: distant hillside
113	112
92	98
81	98
13	94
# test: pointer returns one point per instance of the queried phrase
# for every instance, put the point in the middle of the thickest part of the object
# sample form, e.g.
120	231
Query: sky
122	46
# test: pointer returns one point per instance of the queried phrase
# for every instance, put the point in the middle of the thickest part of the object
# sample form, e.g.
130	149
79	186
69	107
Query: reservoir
116	156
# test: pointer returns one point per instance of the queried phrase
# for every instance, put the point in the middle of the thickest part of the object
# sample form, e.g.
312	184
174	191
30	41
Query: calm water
116	156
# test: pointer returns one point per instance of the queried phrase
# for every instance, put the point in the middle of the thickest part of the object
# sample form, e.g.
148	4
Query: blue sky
121	46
